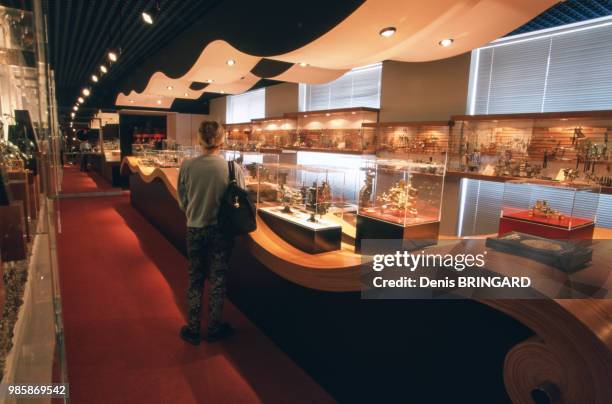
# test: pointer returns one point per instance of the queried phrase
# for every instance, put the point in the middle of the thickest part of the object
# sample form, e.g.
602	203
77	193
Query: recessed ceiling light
94	78
131	101
103	69
446	42
231	62
86	92
159	102
209	81
169	87
112	56
302	64
81	100
146	17
387	32
186	95
222	92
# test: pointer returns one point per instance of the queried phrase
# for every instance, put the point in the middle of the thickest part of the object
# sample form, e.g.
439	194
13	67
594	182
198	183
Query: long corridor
123	288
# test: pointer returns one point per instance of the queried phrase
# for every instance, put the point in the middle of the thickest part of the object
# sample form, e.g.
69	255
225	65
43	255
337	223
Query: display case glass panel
336	131
560	146
416	141
275	134
239	136
566	206
402	192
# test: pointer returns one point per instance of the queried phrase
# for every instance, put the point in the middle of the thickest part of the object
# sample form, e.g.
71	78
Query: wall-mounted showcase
303	204
417	141
337	131
548	209
566	147
238	136
400	199
275	134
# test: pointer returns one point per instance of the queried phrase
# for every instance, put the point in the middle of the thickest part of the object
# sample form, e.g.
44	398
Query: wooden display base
309	240
371	228
582	232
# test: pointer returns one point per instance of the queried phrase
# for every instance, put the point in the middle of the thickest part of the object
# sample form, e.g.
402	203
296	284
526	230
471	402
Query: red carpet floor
123	288
77	182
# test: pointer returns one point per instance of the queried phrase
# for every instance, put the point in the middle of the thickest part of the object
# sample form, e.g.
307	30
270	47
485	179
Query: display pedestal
424	234
310	239
583	231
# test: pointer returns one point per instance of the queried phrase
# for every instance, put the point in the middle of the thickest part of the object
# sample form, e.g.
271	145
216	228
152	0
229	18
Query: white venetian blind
359	87
246	106
563	69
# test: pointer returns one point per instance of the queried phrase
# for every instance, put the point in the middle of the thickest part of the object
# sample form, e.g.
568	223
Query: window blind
359	87
561	69
246	106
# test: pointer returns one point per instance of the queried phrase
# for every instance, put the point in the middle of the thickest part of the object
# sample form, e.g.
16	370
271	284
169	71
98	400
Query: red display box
554	228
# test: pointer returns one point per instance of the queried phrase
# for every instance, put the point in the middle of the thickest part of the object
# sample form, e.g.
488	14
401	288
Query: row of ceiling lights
113	56
390	31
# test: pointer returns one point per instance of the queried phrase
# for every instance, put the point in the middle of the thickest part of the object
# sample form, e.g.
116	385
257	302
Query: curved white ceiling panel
420	26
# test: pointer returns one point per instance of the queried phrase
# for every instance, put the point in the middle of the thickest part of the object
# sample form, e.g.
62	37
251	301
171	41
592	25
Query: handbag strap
232	172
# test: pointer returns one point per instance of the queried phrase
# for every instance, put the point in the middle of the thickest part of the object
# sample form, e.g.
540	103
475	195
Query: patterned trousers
209	251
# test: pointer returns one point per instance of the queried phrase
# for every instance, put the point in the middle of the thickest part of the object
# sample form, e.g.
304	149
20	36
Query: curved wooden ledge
569	359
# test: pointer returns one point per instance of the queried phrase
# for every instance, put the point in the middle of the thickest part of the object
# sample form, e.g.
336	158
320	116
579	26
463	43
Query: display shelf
534	145
410	140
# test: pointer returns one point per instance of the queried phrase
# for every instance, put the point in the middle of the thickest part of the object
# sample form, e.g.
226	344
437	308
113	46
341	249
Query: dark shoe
190	336
223	331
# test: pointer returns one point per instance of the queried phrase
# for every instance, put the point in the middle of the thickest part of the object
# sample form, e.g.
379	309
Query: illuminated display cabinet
275	134
304	205
411	140
543	146
400	200
238	136
548	209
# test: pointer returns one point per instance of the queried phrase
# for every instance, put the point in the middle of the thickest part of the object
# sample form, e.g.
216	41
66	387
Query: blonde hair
211	134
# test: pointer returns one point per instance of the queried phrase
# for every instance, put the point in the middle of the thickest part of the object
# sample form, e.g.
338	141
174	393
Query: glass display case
302	204
543	146
239	136
410	140
549	209
400	199
275	134
338	131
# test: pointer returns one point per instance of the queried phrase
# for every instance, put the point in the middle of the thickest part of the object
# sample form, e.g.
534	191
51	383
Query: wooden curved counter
336	271
569	359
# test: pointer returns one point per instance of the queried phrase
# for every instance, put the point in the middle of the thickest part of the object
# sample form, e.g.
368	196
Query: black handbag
237	211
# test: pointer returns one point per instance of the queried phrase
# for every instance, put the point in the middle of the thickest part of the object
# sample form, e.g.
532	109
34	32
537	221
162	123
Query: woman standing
201	185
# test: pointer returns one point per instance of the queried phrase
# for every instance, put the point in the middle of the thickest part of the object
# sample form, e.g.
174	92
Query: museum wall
424	91
281	98
218	108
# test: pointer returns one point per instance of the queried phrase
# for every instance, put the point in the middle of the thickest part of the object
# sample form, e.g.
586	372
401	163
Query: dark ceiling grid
567	12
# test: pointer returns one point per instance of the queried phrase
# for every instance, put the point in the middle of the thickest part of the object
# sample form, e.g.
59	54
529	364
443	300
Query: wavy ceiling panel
354	42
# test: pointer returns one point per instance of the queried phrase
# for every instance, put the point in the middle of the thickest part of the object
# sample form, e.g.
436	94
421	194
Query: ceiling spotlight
186	95
86	92
169	87
103	69
112	56
209	81
131	101
75	108
81	100
222	92
302	64
94	78
159	102
231	62
147	17
387	32
446	42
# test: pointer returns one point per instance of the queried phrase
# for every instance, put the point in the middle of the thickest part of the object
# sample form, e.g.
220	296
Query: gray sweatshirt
201	184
